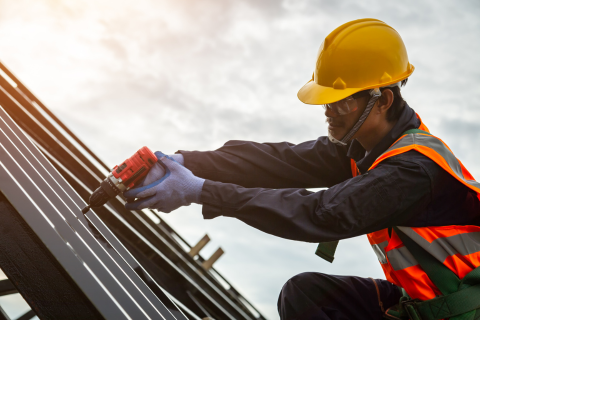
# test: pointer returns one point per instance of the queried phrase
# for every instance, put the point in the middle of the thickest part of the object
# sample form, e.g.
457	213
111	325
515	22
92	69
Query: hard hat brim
312	93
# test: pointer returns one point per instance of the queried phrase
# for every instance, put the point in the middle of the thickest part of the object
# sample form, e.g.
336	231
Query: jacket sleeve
395	190
313	164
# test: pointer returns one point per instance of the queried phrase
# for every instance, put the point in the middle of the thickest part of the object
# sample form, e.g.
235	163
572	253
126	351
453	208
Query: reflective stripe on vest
456	246
436	150
401	258
462	242
379	250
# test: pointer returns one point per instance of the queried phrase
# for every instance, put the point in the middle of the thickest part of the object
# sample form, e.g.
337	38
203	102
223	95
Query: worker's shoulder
409	157
415	162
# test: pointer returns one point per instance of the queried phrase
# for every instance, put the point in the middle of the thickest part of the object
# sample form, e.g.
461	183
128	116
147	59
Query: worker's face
339	125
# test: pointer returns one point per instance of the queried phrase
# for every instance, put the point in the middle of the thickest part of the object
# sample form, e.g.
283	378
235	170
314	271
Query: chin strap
375	95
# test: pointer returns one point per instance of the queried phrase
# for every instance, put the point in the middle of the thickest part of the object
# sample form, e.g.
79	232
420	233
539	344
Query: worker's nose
330	113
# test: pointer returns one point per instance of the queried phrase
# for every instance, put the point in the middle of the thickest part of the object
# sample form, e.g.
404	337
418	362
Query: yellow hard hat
361	54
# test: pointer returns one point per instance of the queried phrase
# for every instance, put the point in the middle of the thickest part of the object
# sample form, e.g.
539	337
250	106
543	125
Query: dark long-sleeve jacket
264	185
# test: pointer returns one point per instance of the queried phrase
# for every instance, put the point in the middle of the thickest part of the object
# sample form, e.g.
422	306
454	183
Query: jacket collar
408	120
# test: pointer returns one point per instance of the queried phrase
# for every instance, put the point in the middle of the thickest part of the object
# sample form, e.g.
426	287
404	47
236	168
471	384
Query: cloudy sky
190	75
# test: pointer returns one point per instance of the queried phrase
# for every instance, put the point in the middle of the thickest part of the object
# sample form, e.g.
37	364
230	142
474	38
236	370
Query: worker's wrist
196	192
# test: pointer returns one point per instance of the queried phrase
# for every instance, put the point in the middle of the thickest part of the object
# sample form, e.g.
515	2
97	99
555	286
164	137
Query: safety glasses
347	105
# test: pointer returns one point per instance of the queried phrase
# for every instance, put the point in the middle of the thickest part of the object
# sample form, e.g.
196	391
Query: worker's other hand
177	187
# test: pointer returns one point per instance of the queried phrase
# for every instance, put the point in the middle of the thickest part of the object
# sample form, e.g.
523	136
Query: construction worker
387	177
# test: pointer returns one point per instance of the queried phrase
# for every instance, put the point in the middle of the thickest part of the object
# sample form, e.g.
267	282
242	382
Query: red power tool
123	177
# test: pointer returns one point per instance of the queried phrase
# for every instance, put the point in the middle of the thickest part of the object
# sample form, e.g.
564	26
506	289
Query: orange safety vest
456	246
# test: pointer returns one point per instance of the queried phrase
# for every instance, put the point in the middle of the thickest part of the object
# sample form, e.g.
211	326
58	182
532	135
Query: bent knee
301	280
296	297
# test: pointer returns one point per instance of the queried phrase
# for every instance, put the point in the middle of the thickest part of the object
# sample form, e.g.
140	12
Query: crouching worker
387	176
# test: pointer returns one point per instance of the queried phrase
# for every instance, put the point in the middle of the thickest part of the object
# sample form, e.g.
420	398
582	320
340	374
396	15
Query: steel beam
3	315
158	245
47	202
199	246
6	287
28	315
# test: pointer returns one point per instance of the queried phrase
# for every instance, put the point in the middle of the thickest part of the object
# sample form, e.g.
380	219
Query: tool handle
137	190
135	168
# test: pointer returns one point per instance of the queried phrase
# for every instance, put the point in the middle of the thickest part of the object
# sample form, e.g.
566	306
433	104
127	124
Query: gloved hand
157	171
177	187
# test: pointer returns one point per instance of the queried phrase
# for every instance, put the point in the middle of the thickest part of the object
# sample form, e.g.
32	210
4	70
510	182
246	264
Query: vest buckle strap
326	250
409	305
463	304
405	309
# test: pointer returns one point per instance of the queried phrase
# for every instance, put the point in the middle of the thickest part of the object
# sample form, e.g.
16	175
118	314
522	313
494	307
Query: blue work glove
157	171
177	187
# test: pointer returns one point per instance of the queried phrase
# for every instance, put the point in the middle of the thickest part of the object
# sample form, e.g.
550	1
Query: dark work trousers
312	295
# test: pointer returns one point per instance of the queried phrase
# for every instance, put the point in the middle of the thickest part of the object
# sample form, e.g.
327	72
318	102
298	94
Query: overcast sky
190	75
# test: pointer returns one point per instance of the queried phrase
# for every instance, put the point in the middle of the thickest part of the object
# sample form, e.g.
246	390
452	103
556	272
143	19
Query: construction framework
111	263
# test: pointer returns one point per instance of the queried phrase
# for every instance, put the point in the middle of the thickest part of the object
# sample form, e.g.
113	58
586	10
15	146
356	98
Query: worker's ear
385	101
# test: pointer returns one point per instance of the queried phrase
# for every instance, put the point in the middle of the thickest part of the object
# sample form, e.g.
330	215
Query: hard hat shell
361	54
